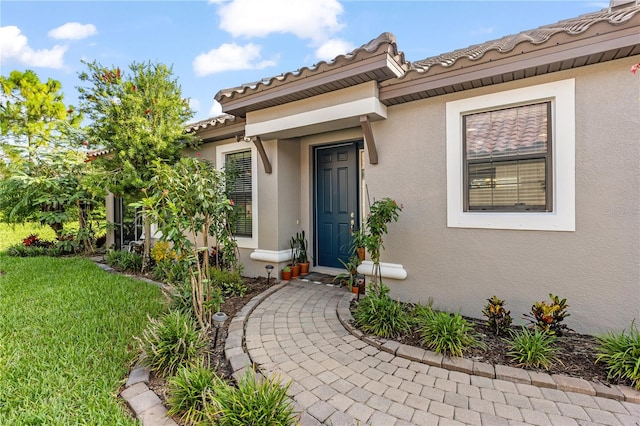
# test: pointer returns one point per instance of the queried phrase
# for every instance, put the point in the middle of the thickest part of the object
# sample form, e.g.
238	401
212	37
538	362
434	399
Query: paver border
502	372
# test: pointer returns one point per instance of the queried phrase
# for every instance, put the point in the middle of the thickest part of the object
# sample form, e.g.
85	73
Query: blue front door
336	190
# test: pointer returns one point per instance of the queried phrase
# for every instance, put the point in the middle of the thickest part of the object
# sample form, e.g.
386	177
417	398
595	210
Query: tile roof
219	120
572	26
384	39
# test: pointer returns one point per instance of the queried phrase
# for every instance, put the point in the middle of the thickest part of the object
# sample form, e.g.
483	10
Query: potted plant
348	277
286	273
359	243
295	266
302	257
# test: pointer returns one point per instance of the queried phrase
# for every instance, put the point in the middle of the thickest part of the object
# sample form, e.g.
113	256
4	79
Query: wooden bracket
368	139
263	154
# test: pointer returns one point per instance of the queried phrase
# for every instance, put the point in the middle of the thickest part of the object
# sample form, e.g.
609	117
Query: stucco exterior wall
597	267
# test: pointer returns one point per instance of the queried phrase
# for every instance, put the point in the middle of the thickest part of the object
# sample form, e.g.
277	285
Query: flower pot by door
286	275
304	268
295	271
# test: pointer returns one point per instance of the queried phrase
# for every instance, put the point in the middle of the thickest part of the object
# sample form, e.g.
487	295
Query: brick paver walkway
337	379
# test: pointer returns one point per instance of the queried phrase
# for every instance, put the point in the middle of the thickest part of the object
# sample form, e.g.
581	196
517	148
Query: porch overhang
330	118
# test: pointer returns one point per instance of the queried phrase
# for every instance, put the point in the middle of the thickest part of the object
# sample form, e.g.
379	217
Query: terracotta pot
295	271
361	253
286	275
304	268
354	289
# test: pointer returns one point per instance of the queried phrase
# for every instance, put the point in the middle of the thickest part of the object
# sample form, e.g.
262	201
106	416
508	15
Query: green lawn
66	338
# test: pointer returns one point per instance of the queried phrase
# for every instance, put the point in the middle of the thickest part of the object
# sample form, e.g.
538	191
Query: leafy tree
42	164
189	204
139	119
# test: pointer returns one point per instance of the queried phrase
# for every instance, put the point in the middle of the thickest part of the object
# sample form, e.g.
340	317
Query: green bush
621	354
190	391
124	261
20	250
171	271
498	318
230	282
549	317
255	402
380	315
446	333
532	348
170	342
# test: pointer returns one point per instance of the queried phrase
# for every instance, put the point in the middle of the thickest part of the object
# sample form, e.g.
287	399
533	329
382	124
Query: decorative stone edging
502	372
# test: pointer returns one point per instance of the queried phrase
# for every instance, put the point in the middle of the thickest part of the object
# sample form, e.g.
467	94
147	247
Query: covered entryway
336	202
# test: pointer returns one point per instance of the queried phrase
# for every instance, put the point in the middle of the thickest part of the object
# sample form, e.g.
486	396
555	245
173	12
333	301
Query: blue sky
214	45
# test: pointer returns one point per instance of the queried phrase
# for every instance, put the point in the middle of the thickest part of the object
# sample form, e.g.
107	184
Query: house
517	162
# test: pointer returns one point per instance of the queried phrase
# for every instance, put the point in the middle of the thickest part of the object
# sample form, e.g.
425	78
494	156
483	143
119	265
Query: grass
13	234
66	337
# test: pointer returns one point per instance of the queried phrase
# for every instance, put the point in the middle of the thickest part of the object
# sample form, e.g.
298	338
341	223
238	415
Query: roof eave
379	66
541	59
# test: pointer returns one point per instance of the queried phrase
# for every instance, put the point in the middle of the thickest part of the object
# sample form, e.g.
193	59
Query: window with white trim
507	159
243	159
511	159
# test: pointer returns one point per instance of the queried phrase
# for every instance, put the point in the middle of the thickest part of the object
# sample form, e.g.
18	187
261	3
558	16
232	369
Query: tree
189	204
41	151
139	119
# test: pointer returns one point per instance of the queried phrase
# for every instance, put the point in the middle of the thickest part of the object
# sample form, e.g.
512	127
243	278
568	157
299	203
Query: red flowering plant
34	241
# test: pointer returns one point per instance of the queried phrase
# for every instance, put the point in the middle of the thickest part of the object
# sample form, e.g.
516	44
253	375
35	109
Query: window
511	159
239	171
507	155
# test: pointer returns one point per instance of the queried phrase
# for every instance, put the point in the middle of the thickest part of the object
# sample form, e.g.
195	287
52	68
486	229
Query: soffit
584	40
378	60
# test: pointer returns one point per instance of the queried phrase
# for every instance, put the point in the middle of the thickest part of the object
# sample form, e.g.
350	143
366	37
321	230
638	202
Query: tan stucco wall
597	267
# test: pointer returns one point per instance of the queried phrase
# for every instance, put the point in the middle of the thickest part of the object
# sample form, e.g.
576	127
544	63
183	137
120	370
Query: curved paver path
338	379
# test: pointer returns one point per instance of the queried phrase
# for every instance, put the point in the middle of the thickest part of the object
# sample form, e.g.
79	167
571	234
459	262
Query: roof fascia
415	82
215	133
378	61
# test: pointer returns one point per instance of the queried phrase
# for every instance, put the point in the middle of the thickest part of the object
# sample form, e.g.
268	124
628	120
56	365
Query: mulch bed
576	353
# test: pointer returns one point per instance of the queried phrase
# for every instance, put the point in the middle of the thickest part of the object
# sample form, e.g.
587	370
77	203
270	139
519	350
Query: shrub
498	318
420	311
621	354
124	261
230	282
161	251
446	333
171	271
170	342
380	315
190	391
255	402
533	348
20	250
548	317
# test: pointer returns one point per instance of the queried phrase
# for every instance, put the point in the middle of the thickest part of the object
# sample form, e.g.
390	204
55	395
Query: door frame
359	147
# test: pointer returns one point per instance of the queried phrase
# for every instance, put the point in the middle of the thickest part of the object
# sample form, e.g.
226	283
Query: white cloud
332	48
73	31
216	109
228	57
307	19
14	45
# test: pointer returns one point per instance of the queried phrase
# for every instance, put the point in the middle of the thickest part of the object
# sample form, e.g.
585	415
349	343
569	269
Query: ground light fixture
218	320
269	268
361	284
